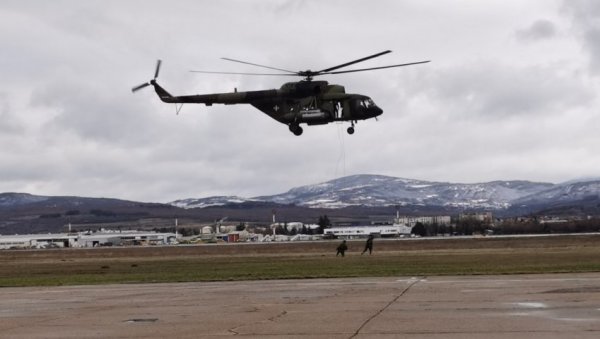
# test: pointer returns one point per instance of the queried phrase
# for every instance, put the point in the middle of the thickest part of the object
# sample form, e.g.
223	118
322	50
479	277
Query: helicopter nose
376	111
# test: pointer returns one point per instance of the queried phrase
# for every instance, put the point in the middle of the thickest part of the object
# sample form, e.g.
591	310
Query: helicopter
307	101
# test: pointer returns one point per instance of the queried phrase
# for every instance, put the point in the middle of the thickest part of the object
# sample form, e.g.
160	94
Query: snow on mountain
208	202
379	190
566	192
17	199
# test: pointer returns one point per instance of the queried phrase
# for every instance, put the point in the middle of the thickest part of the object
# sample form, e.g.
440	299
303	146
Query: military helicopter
302	102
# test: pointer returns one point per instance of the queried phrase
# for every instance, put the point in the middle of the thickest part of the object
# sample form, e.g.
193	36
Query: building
350	232
37	241
82	239
425	220
485	217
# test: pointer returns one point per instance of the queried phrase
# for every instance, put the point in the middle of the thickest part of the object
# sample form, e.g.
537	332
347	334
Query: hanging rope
342	157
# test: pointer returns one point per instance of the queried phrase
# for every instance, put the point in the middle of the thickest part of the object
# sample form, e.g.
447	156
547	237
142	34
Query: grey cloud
586	19
592	39
493	91
9	124
539	30
93	113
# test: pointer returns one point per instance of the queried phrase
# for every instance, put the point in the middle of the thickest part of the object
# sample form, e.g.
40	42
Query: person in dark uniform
342	248
368	245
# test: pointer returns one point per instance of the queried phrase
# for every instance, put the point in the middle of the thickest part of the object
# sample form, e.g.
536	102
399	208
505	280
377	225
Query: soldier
368	245
341	249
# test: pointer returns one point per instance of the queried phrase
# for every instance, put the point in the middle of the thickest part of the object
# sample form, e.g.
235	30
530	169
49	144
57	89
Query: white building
37	241
350	232
426	220
60	240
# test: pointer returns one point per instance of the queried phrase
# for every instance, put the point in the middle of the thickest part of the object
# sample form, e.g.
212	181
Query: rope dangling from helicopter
342	156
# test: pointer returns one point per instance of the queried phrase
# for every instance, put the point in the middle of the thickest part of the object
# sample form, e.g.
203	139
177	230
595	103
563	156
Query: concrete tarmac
511	306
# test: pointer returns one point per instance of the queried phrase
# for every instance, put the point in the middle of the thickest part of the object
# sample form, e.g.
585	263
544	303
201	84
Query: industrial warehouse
84	239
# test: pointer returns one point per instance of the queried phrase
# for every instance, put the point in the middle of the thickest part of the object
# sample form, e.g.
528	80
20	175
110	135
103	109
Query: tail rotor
151	82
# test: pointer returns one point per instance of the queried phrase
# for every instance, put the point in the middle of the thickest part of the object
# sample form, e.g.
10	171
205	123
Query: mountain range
357	198
379	191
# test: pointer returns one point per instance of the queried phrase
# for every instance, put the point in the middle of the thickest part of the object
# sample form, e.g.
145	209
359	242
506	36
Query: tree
323	223
432	229
419	229
467	226
280	230
442	229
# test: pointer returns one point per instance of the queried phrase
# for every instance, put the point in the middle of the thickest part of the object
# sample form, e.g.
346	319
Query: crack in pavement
386	306
278	316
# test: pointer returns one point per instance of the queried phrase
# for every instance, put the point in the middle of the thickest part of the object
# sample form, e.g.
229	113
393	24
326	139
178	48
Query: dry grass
300	260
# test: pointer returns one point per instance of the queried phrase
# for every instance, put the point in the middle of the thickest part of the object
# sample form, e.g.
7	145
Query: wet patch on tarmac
530	305
590	289
141	320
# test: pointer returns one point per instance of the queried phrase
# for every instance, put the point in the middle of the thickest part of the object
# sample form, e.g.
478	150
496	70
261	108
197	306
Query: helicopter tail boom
162	93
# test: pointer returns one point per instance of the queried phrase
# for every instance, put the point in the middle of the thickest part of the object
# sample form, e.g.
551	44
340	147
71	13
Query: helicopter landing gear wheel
296	129
350	129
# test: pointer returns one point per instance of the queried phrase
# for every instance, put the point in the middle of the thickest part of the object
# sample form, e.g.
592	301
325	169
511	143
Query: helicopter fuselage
295	103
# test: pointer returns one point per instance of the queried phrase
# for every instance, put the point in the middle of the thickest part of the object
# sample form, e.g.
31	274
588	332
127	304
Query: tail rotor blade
158	63
137	88
151	82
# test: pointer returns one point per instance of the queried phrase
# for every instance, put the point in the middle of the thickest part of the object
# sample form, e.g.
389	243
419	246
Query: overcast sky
512	92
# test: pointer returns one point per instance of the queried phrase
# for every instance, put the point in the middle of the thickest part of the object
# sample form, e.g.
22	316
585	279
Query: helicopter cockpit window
367	103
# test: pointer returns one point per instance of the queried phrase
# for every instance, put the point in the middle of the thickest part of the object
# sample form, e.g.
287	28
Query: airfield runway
511	306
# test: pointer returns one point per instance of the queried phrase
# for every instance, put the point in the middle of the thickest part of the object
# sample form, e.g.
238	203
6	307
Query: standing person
341	249
368	245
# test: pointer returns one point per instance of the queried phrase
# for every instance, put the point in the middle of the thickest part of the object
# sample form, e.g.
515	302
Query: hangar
62	240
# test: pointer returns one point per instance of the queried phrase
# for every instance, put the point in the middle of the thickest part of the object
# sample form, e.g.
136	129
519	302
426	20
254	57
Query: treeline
323	223
536	227
513	226
285	230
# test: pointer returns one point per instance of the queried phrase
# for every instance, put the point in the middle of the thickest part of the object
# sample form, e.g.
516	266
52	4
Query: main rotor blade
158	63
137	88
354	62
237	73
249	63
374	68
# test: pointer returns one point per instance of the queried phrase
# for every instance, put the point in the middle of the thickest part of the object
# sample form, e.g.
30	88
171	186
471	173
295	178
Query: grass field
577	253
